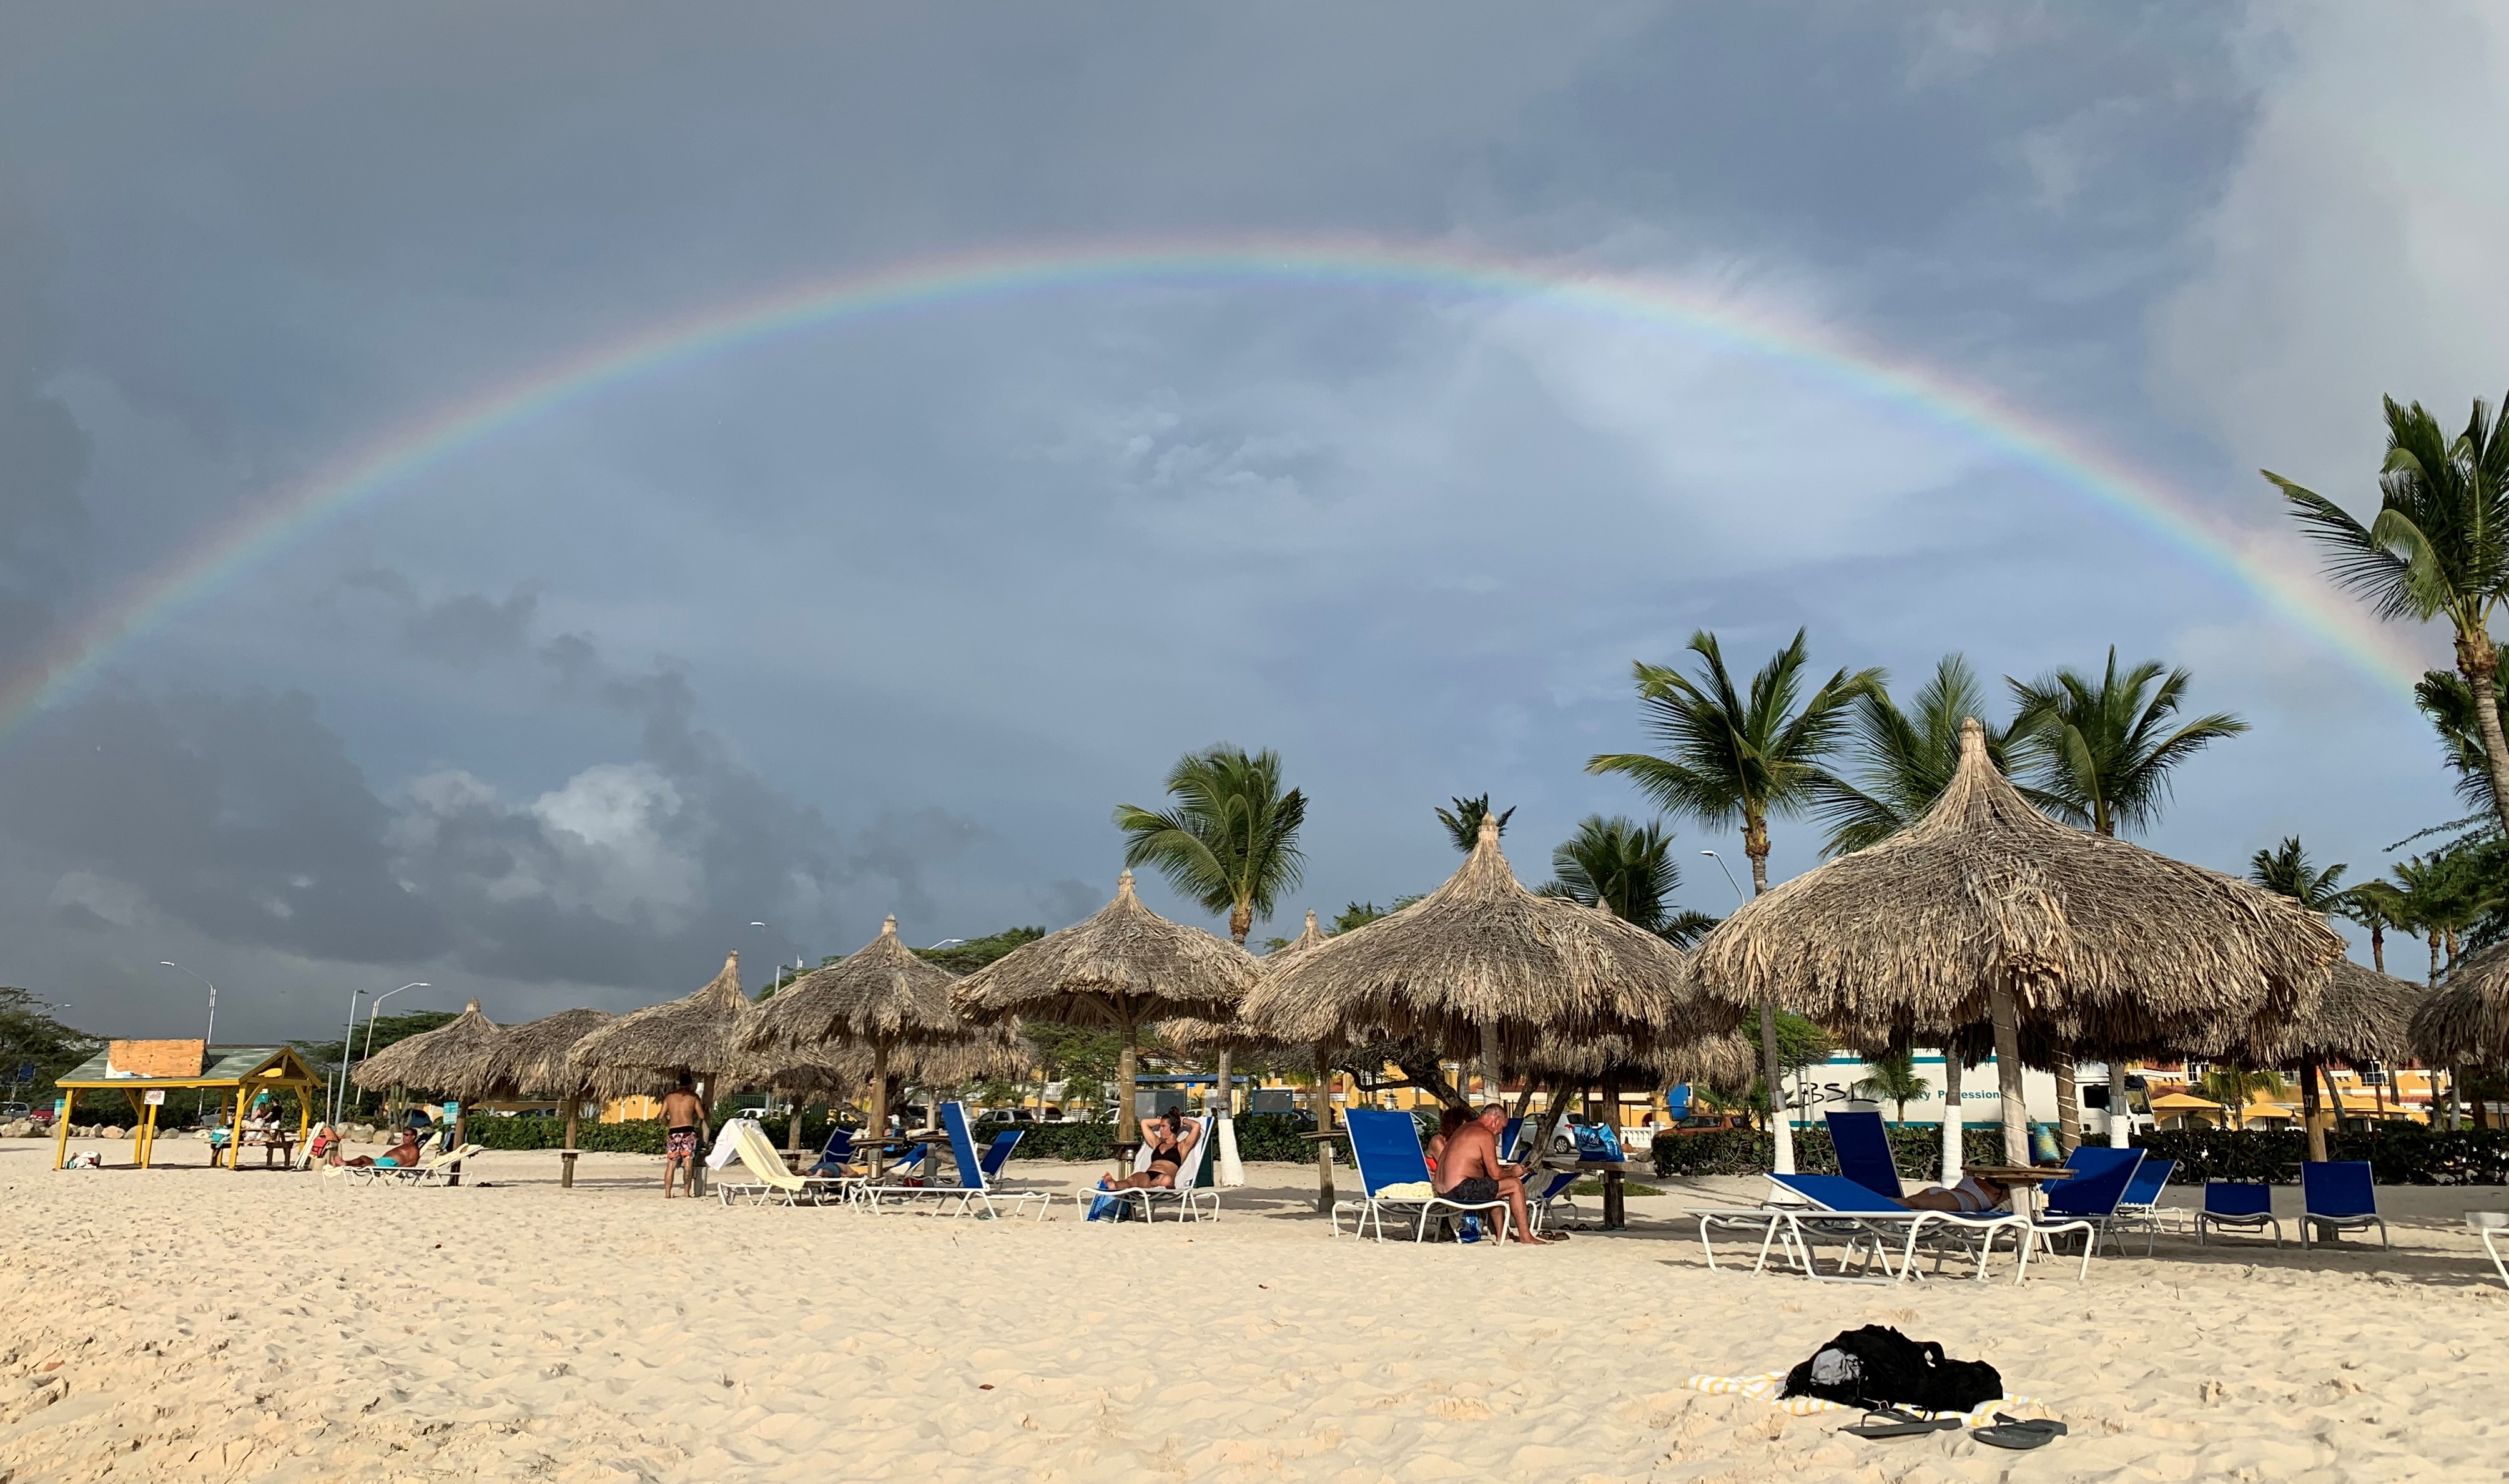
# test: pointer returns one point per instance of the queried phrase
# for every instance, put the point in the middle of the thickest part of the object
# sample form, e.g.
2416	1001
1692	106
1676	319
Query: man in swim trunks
683	1118
1470	1172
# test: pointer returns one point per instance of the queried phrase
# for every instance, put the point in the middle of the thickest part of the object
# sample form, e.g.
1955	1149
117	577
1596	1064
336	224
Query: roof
226	1066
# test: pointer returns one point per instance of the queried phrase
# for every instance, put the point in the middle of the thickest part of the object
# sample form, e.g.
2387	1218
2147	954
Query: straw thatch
648	1050
2362	1016
1483	951
532	1058
1727	1060
2110	944
881	993
2467	1023
456	1058
1123	968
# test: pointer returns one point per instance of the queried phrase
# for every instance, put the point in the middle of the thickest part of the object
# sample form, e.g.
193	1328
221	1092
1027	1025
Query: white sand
187	1324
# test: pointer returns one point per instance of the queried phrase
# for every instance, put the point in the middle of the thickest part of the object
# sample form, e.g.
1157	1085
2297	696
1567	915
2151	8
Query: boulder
110	1132
20	1129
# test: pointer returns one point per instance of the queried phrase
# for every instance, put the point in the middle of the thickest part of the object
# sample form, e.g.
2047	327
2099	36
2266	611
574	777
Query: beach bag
1877	1366
1596	1141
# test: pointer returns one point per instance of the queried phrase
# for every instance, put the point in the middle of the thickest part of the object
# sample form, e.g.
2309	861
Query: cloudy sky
887	613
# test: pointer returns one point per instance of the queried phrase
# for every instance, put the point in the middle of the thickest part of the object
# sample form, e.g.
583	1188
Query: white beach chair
975	1191
768	1181
1191	1204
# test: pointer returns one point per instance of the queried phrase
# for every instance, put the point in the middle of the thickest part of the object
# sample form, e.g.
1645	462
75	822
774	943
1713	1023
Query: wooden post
2309	1100
1323	1146
2068	1103
61	1134
574	1118
1954	1156
2006	1011
235	1133
879	1130
1128	1122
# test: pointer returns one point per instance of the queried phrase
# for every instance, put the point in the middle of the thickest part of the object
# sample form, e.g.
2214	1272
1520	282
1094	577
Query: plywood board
154	1059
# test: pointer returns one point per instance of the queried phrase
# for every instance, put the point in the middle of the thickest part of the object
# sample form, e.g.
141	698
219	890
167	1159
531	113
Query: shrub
1917	1149
2399	1154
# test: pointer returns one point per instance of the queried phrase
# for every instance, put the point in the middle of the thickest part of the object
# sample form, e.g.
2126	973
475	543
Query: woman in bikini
1171	1138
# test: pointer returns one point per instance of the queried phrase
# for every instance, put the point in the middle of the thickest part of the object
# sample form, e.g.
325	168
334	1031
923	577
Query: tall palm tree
1231	842
1906	759
2439	546
2449	704
1893	1077
2100	749
2288	870
1734	760
2100	752
1628	869
2376	906
1463	822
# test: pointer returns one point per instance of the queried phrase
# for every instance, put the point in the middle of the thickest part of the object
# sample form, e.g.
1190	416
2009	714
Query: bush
1915	1149
2399	1154
1268	1137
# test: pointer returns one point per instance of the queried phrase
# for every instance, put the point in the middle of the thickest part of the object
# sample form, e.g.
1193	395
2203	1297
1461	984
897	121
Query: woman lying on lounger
1171	1138
1974	1194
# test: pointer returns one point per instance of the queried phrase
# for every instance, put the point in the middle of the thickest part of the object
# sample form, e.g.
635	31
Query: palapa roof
1125	966
881	992
456	1058
2467	1023
1194	1036
648	1050
221	1065
1730	1060
532	1058
1483	951
2362	1016
2112	944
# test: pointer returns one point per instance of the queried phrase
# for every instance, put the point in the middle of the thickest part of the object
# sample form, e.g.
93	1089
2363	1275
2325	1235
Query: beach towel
1232	1170
727	1143
1766	1387
1407	1190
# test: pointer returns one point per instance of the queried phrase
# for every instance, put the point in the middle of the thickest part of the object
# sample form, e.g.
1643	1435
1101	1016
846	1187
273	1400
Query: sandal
1891	1422
2009	1431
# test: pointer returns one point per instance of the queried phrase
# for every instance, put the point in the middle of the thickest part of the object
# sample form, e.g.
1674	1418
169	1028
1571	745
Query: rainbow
2280	583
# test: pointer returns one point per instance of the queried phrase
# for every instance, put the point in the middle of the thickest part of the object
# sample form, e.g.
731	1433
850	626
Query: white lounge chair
1191	1204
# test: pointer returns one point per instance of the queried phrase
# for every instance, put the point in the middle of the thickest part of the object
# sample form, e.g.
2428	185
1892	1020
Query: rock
110	1132
22	1129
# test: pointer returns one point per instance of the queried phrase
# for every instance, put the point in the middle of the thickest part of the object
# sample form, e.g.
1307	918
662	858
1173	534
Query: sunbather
1171	1139
1472	1172
1973	1194
401	1156
1448	1122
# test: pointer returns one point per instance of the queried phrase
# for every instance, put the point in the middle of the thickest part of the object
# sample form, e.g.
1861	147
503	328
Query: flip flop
2017	1432
1891	1422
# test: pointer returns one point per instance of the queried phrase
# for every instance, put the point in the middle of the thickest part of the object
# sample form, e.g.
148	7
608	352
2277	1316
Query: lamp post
338	1086
372	1011
211	1035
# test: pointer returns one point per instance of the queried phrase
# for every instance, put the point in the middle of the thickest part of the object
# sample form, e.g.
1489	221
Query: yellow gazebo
139	1068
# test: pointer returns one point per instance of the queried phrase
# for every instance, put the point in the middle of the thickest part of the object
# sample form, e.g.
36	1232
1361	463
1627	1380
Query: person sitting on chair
1171	1138
1448	1122
401	1156
1472	1173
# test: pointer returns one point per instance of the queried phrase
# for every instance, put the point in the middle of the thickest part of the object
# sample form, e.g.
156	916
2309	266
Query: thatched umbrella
1124	968
458	1058
881	997
2467	1023
1985	909
2363	1016
1482	956
648	1051
532	1058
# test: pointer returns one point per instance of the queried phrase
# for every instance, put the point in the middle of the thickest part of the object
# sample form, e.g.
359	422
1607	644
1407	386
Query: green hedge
1265	1136
1917	1149
2399	1154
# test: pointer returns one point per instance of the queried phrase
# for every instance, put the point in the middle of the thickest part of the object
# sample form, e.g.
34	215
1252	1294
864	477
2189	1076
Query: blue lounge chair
1554	1192
2139	1208
2239	1205
2098	1159
2087	1202
2339	1196
1870	1224
973	1192
998	1153
1386	1148
1507	1138
1864	1154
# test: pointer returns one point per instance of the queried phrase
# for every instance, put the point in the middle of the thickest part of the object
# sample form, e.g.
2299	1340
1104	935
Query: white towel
727	1142
1232	1172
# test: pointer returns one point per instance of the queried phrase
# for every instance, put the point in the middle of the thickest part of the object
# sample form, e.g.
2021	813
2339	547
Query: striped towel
1766	1388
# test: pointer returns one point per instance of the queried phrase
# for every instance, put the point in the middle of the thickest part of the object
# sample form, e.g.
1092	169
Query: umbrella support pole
2007	1011
2068	1103
566	1162
1954	1156
2120	1115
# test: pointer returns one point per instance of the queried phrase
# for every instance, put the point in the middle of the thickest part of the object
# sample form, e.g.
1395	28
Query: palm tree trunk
2378	947
1492	1091
2006	1011
2068	1103
1323	1146
2432	937
1954	1156
1755	845
2121	1116
2478	661
2308	1110
879	1130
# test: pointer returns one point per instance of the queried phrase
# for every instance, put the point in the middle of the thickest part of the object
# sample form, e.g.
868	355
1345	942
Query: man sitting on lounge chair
1470	1172
1974	1193
401	1156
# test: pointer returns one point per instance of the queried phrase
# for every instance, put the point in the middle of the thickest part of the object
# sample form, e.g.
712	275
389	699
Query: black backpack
1878	1366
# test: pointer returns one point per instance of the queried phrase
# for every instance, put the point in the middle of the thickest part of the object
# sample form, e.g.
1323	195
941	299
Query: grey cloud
465	630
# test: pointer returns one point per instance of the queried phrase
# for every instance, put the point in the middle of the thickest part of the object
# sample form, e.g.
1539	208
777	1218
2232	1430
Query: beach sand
190	1324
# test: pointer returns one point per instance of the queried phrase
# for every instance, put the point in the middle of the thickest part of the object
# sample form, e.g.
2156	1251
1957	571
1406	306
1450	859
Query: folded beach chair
768	1181
2139	1208
2339	1196
1865	1156
974	1192
1194	1196
2238	1206
1394	1175
2087	1202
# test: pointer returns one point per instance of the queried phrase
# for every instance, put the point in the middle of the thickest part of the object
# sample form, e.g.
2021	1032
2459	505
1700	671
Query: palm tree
1893	1077
1231	842
1463	822
2376	906
1626	869
2288	870
1906	758
2448	701
2438	546
1731	759
2231	1087
2101	751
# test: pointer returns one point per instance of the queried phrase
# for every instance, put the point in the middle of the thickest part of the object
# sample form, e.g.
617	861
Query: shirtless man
1470	1172
685	1120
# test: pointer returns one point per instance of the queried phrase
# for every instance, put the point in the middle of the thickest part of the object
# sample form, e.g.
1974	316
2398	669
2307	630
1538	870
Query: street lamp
1729	875
209	1035
944	943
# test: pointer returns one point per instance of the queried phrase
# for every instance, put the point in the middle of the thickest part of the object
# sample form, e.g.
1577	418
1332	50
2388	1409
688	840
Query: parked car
1707	1123
10	1112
